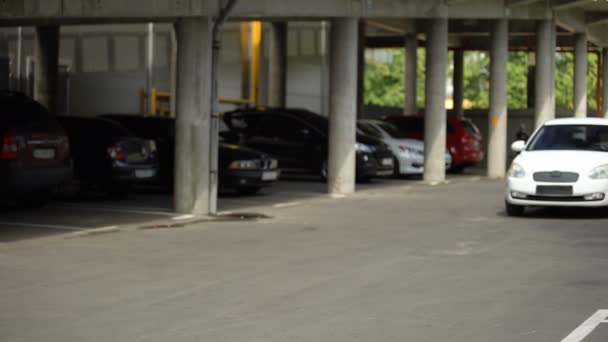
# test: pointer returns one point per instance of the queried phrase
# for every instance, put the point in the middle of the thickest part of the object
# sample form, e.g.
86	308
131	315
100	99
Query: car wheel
457	168
118	191
36	200
514	210
324	170
396	168
248	191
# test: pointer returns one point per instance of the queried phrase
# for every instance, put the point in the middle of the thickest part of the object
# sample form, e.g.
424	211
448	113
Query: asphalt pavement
406	262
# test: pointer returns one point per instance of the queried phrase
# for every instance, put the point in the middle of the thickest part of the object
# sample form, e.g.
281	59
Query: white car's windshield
570	137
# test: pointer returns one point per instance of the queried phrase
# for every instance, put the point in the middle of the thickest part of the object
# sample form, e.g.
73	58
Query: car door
299	144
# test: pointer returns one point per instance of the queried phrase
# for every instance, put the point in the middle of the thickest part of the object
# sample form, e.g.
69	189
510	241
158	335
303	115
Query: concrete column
46	52
343	106
411	78
277	65
361	70
544	101
605	83
497	137
435	116
193	115
580	75
458	82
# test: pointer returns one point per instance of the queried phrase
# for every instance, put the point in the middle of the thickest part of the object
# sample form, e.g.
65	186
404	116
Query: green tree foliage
384	78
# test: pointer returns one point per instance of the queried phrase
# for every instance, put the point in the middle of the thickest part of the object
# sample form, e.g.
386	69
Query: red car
34	151
464	140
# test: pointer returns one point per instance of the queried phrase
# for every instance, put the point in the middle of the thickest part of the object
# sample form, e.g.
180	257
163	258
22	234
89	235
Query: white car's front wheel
514	210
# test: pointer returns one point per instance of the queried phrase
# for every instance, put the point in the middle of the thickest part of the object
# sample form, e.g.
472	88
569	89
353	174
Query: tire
396	168
364	179
36	200
457	169
248	191
324	170
118	191
514	210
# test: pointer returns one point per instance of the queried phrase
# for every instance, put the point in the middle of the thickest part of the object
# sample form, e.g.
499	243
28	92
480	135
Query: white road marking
142	211
287	204
579	334
182	217
36	225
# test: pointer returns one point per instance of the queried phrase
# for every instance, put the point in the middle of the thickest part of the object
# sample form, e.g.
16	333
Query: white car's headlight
600	172
516	171
363	148
411	151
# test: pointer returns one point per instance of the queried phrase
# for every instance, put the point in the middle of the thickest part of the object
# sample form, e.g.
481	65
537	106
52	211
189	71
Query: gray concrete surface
399	263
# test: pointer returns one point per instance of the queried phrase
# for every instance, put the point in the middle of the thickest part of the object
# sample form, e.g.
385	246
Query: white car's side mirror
518	146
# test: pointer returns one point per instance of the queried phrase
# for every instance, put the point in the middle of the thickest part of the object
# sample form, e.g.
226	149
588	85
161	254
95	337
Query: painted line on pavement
580	333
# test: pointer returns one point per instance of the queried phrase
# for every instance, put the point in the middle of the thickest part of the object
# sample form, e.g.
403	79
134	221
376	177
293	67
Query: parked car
108	156
242	169
565	163
464	140
34	151
408	153
299	139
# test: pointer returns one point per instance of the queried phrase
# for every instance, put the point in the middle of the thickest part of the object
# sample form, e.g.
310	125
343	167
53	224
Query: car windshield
391	130
570	137
369	130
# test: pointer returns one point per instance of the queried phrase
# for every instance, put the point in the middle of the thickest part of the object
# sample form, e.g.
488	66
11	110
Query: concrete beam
25	12
596	18
567	4
519	3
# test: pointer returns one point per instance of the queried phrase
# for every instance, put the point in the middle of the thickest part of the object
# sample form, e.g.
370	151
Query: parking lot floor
395	263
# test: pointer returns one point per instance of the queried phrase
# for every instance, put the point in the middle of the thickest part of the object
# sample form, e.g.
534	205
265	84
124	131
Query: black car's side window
286	129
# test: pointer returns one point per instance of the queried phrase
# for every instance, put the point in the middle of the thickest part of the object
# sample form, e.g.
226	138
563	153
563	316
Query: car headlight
363	148
244	165
516	171
411	151
600	172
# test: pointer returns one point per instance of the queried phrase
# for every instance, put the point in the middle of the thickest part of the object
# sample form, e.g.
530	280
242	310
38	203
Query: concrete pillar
361	70
277	64
458	82
343	106
604	113
435	116
411	77
193	115
544	101
580	75
497	137
46	52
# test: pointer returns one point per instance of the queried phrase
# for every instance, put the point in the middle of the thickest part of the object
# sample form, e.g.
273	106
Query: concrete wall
107	65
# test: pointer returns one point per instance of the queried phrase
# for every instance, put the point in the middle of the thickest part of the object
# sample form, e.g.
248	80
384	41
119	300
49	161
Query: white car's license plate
44	153
384	173
387	161
144	173
270	175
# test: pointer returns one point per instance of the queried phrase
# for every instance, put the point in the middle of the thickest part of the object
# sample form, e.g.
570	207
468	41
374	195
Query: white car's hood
569	161
411	143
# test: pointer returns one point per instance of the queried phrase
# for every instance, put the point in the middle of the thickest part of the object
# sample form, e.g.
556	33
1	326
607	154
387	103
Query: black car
241	169
34	151
108	156
299	139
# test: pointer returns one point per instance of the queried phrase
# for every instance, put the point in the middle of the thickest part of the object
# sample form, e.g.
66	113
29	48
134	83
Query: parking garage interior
80	59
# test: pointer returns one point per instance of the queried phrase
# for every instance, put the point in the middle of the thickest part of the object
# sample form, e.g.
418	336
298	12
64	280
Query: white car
565	163
408	153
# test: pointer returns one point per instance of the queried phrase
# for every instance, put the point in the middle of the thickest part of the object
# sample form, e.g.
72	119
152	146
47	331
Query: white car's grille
556	177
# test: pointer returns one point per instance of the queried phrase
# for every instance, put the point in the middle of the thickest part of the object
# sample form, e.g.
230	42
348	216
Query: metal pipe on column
150	66
580	75
604	112
411	75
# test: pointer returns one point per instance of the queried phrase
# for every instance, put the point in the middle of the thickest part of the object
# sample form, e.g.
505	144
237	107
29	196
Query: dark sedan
242	169
108	156
299	139
34	151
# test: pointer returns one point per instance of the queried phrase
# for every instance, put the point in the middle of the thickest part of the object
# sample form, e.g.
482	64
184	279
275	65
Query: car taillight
116	152
9	147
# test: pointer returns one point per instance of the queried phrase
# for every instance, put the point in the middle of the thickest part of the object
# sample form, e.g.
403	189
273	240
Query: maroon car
34	151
